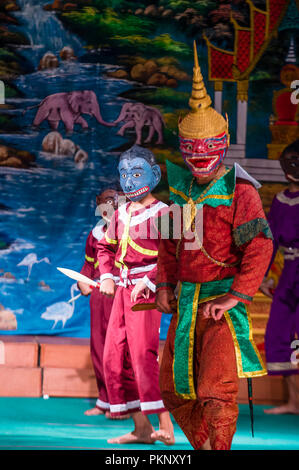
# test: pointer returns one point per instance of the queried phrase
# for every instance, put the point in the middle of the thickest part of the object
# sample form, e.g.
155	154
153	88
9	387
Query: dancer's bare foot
108	416
289	408
164	436
165	432
292	406
133	438
94	412
142	432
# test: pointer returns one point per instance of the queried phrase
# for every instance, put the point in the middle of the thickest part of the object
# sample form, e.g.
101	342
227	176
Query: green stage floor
60	423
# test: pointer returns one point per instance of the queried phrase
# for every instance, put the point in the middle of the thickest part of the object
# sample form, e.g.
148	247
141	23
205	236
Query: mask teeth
137	193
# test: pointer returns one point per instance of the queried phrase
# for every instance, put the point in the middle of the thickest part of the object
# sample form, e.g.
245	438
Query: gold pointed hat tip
196	64
199	98
202	121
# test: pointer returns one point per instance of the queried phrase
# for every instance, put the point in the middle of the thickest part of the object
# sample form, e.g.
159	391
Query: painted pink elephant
68	108
137	116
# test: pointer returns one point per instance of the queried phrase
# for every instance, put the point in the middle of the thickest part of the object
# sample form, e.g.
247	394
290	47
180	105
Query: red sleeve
106	249
90	257
254	239
167	268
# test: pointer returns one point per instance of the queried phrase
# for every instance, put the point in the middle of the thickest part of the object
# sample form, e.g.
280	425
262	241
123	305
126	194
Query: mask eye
124	175
136	175
189	147
210	145
109	201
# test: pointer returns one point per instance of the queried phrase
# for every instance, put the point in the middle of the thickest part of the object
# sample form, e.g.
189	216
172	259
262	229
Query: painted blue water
52	206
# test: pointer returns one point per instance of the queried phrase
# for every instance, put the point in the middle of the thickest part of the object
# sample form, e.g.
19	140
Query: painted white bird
60	311
30	260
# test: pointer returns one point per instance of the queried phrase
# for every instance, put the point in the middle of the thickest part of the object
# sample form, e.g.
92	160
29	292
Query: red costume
131	243
224	240
100	309
235	252
204	353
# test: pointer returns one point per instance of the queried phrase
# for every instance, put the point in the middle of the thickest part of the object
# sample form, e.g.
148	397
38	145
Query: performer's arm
88	266
167	273
167	266
106	249
253	237
161	225
150	279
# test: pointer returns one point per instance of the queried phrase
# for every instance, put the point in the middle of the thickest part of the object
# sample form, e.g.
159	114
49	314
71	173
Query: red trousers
100	309
213	414
137	332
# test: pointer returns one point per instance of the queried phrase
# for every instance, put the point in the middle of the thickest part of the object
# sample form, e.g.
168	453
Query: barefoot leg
165	432
108	416
292	406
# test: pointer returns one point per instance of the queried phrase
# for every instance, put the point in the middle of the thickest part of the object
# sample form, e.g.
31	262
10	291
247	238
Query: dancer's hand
85	289
166	300
216	308
108	287
140	289
267	287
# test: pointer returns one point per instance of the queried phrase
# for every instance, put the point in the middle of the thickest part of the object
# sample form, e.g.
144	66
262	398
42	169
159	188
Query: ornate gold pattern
201	198
190	222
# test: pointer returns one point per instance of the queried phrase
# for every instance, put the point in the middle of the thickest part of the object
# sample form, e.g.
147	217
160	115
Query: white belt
139	270
127	282
290	253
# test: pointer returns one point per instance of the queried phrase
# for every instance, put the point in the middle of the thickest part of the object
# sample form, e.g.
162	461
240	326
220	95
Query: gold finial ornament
202	121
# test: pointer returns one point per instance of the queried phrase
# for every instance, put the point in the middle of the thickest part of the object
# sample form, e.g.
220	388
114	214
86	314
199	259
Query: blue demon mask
139	172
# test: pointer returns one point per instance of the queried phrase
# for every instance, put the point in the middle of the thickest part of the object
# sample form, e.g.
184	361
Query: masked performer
131	242
100	305
209	343
283	324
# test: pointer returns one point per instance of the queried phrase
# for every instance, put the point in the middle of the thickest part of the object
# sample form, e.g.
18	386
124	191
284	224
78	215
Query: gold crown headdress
202	121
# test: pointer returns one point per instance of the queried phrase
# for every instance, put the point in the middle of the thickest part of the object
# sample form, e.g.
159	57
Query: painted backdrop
84	80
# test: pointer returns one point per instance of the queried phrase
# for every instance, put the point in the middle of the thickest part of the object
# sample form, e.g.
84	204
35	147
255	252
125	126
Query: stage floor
60	423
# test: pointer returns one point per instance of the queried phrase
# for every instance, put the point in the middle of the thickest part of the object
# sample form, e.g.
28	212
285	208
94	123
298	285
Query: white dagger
78	277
